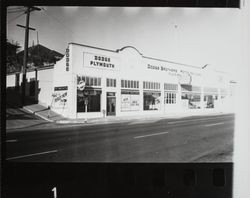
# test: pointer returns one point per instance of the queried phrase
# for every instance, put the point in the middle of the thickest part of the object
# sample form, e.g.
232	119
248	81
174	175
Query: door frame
110	97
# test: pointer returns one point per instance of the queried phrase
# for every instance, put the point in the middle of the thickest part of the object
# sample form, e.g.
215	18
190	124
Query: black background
75	180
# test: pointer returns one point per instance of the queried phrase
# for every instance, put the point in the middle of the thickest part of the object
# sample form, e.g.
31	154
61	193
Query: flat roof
117	51
148	57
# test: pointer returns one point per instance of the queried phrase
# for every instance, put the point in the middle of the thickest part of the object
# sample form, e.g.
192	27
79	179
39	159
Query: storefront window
111	82
90	96
89	81
210	97
151	100
99	82
130	100
192	100
93	101
170	98
151	85
209	100
170	87
130	84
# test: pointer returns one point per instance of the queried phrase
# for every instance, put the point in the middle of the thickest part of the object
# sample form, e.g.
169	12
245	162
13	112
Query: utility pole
38	48
25	58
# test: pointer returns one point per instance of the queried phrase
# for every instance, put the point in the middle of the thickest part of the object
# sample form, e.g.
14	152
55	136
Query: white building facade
124	83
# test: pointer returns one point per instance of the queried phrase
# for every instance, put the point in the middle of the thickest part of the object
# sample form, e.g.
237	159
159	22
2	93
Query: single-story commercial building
94	82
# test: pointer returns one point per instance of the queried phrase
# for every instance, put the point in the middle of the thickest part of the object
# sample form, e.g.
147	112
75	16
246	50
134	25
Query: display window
151	100
210	97
92	100
170	98
193	100
90	97
191	96
209	100
130	100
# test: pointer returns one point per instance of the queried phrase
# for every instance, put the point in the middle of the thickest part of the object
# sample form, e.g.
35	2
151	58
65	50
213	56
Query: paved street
191	139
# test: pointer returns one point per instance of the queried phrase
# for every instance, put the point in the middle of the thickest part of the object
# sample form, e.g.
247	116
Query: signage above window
171	71
99	61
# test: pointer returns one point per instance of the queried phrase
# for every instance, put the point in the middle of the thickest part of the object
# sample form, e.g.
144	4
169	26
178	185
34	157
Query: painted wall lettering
99	61
67	59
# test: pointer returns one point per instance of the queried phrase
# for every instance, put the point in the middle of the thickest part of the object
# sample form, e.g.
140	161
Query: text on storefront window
130	100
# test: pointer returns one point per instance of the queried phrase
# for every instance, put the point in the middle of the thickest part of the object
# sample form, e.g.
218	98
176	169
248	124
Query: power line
15	17
11	12
15	10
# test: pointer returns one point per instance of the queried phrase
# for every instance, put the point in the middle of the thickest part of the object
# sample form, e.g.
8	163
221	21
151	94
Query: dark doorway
111	103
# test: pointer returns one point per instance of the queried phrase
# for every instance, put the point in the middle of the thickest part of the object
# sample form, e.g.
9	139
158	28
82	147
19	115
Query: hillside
40	56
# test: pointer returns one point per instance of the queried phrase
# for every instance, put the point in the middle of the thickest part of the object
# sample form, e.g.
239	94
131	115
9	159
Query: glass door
111	103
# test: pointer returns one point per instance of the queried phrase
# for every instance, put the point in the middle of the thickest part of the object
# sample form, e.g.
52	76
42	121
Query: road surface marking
142	136
9	141
181	121
219	123
22	156
142	121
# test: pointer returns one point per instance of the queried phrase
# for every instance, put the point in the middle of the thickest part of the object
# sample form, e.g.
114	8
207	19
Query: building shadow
14	97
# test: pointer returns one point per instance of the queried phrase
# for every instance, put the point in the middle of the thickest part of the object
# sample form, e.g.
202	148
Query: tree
12	63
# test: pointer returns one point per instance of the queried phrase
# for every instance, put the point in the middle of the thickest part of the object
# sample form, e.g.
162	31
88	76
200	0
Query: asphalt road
192	139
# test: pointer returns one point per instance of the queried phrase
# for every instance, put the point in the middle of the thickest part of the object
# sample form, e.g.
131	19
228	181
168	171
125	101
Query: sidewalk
44	112
19	118
51	116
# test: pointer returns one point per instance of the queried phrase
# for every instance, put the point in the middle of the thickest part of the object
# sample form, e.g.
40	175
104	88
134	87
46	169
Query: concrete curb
91	122
121	120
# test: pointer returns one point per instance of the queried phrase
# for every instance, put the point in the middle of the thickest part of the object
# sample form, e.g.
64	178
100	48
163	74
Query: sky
194	36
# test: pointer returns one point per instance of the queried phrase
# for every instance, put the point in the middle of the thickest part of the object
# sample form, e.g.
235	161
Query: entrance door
111	103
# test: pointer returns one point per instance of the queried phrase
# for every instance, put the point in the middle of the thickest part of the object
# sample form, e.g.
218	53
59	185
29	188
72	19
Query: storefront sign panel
81	85
169	70
182	75
100	61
